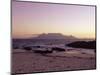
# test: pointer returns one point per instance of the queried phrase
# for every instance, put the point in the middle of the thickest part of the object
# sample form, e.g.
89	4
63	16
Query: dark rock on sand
42	52
27	48
83	44
58	49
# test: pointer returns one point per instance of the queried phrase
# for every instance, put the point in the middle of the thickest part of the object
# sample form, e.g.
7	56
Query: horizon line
32	36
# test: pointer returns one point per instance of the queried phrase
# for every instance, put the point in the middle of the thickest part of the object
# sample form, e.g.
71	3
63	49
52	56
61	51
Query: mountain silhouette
55	36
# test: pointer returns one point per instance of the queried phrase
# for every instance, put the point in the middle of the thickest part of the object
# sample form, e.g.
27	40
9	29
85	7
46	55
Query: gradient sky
36	18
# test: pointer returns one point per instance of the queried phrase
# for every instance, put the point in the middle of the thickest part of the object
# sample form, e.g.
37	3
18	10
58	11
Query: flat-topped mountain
54	36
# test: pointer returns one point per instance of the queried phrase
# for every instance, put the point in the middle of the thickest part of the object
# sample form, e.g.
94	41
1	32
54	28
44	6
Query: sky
30	19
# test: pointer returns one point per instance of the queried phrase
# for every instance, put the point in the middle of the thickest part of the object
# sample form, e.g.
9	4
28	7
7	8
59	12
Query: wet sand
30	62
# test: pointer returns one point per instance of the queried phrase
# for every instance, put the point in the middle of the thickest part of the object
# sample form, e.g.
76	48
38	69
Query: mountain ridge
54	36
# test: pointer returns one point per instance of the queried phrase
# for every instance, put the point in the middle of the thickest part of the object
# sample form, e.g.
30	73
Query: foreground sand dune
29	62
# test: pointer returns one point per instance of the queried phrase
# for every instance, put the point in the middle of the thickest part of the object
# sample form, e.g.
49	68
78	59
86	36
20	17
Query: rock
42	52
27	48
83	44
58	49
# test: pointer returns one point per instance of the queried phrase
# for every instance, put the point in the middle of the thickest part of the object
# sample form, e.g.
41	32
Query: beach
30	62
52	37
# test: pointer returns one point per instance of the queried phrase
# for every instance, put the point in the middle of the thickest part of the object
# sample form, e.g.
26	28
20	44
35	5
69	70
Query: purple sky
36	18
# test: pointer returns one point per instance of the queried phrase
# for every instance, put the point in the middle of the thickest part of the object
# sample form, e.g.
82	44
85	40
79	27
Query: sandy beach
30	62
